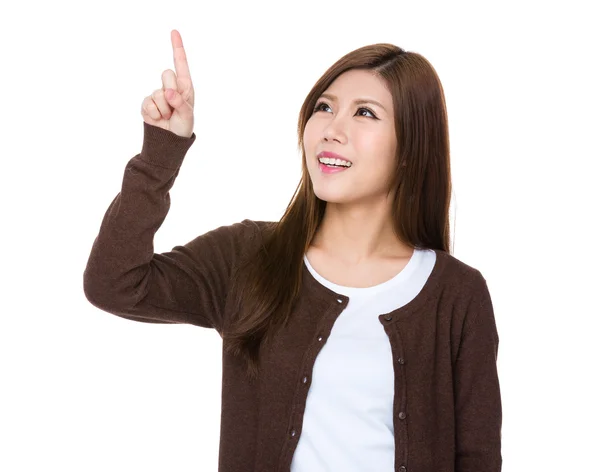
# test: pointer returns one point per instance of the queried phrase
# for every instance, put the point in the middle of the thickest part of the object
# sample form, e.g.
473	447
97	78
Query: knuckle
149	106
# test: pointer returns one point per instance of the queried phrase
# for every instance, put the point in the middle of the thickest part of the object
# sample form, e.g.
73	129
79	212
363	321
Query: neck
358	234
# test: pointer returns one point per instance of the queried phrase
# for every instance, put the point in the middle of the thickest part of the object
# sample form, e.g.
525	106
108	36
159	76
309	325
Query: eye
368	111
319	105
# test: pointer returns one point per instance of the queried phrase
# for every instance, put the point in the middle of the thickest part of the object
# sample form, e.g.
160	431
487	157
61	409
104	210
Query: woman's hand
172	106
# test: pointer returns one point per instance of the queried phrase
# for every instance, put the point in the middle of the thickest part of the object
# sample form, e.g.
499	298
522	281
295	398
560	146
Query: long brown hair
421	184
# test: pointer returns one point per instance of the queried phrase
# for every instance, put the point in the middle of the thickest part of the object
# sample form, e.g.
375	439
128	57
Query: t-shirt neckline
324	293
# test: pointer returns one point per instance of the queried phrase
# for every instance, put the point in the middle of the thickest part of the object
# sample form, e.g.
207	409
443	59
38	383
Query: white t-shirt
348	420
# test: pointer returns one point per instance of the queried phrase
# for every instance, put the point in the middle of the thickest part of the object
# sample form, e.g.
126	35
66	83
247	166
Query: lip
332	155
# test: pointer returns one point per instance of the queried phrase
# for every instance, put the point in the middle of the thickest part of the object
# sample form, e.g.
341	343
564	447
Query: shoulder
257	226
254	230
245	236
462	278
245	229
464	291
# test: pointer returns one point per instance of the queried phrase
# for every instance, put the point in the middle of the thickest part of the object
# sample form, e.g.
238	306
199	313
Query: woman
352	339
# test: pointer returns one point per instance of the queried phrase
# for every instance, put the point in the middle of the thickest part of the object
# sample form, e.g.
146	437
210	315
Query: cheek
370	146
375	144
309	134
310	140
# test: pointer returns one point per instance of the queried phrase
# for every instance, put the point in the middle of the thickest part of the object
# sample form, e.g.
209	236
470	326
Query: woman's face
362	133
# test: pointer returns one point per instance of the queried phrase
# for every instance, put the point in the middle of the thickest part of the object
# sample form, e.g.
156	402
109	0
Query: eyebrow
358	101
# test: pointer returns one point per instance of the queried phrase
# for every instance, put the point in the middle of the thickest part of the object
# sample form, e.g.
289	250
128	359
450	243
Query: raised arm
123	276
188	284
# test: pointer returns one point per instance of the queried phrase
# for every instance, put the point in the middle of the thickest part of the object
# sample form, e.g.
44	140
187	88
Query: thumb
177	102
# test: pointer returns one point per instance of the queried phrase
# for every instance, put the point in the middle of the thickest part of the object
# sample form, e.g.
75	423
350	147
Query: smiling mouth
334	165
331	168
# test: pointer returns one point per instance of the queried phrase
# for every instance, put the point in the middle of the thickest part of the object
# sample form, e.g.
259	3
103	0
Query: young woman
352	339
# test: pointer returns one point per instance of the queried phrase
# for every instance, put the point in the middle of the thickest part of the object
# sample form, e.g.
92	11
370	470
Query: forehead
357	83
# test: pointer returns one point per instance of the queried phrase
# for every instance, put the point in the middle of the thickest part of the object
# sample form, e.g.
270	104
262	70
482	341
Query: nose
334	130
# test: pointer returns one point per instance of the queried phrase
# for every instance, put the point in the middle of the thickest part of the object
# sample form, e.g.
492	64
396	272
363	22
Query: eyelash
318	105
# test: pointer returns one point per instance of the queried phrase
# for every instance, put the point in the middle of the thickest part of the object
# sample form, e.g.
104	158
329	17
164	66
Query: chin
330	196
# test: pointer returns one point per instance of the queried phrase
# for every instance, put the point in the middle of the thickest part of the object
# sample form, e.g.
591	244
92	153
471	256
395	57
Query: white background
83	390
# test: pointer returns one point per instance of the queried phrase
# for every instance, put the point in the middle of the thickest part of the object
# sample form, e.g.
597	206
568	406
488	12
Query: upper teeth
338	162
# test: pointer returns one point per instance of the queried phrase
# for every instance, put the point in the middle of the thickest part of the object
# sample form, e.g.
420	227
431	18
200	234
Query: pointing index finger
179	56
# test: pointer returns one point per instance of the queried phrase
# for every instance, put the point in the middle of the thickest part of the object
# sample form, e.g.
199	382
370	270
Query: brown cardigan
447	406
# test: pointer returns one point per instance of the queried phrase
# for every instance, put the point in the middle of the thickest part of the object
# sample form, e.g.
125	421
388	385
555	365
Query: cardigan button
401	360
340	300
293	433
402	469
388	316
320	338
304	379
402	415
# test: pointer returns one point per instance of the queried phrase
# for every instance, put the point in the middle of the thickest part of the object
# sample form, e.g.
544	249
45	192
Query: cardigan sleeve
478	409
124	276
